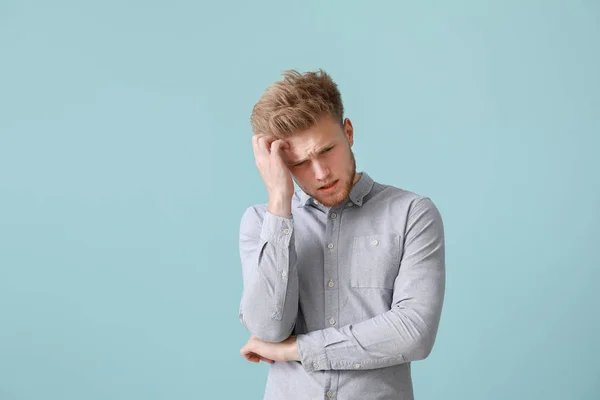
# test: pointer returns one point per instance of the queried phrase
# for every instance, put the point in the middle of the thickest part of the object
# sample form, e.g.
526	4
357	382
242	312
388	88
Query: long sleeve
269	303
408	330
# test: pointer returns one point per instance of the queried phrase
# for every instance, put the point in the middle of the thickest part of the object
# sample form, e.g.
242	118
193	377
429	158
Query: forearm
395	337
269	302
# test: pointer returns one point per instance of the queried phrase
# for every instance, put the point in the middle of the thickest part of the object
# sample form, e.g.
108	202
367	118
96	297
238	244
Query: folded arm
408	330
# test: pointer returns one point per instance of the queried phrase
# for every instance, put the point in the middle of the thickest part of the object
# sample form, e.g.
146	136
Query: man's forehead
312	141
299	149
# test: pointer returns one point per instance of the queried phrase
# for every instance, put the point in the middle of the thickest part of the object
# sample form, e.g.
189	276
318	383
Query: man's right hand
274	172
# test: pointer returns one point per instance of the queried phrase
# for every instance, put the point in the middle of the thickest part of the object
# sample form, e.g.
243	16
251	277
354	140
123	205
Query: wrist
280	205
292	352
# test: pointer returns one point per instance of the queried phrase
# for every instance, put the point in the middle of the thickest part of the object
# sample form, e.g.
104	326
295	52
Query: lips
328	186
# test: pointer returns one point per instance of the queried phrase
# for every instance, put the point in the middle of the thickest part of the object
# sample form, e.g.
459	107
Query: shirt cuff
311	351
277	230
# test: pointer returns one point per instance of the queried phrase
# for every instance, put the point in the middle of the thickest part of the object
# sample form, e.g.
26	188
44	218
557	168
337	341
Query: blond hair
296	103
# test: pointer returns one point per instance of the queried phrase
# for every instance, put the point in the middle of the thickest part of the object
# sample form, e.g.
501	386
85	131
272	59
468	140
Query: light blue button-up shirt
361	285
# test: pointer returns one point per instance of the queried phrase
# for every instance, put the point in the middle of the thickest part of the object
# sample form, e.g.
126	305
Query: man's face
321	160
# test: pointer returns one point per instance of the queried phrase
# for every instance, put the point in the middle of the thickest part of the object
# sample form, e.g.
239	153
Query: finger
258	136
256	358
267	360
245	351
250	356
255	144
278	145
264	142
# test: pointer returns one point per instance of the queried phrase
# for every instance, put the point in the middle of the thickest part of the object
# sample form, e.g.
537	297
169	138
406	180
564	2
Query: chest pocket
375	261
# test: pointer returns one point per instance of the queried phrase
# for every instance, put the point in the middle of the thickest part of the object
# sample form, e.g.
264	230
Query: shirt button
331	321
350	204
286	231
316	366
330	394
330	284
375	242
330	246
356	366
284	274
333	215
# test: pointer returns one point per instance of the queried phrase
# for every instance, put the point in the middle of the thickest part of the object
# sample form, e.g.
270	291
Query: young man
343	279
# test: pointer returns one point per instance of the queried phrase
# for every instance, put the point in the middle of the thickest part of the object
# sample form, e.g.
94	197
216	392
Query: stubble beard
341	195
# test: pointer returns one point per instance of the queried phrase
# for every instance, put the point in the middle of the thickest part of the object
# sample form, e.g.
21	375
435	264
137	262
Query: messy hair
296	103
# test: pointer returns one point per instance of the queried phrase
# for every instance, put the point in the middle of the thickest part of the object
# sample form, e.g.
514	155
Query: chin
334	199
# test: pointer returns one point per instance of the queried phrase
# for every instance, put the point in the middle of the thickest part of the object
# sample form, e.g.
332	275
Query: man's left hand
256	350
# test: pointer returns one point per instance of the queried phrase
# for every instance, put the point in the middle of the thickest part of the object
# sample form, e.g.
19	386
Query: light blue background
125	166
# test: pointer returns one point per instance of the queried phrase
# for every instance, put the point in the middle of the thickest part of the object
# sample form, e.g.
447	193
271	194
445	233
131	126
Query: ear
349	131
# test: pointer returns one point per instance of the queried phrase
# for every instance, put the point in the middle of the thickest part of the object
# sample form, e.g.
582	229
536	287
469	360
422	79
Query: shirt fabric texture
361	285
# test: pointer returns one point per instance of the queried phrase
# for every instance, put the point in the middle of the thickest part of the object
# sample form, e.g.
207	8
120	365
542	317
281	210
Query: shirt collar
357	193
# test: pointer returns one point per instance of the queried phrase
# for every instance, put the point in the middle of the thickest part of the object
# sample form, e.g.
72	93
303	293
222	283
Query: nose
321	170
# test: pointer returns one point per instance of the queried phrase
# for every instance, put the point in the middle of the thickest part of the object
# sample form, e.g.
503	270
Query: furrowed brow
319	151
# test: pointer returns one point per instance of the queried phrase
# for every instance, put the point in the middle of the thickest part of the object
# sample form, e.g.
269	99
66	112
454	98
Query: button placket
331	282
332	269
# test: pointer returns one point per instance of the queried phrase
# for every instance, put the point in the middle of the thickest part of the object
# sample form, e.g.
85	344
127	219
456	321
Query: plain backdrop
125	166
